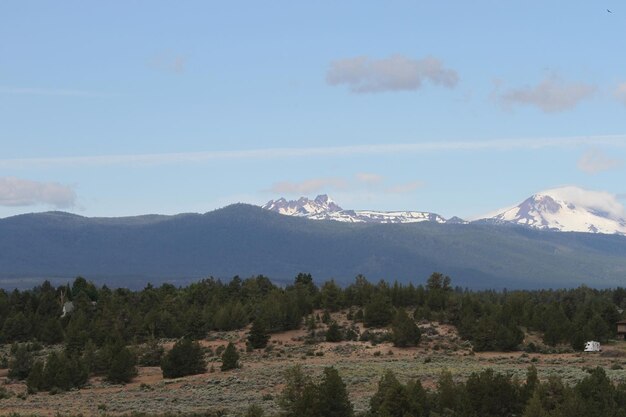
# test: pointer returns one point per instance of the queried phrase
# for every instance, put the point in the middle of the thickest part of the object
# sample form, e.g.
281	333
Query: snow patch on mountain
567	209
324	208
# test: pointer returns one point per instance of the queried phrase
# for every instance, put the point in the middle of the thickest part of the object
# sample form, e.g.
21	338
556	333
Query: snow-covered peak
568	209
303	206
324	208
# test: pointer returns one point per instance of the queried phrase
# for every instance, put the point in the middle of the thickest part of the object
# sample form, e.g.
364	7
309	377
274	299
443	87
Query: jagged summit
303	206
567	209
324	208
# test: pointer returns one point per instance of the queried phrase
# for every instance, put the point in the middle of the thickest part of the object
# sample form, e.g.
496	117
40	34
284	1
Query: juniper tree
404	330
230	358
333	334
258	336
185	358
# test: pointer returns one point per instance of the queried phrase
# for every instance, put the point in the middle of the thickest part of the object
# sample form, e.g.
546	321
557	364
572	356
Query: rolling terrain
247	240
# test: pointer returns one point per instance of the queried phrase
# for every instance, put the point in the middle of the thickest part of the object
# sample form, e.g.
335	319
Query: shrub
151	354
333	334
122	367
21	363
185	358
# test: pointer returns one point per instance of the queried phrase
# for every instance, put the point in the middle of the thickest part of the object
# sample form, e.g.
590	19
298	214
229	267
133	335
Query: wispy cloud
551	95
405	188
314	152
169	62
369	178
594	161
620	93
309	186
16	192
395	73
359	184
58	92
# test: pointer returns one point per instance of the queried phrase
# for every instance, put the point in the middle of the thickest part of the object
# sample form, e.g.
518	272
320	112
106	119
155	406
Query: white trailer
593	346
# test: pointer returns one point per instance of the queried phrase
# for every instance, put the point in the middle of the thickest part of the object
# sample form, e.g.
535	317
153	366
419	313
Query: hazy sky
132	107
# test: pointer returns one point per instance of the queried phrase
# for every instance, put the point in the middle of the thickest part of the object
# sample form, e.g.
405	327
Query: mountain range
565	209
247	240
324	208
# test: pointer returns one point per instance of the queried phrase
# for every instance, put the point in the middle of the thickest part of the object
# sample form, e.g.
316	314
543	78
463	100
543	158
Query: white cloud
396	73
369	178
405	188
20	192
599	200
620	93
551	95
310	186
323	152
594	161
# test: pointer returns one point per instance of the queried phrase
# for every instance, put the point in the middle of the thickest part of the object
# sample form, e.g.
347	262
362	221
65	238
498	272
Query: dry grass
260	379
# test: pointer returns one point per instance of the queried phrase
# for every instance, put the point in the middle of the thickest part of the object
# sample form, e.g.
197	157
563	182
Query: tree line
491	320
483	394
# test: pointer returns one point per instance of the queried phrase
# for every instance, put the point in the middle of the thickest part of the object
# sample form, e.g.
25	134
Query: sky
132	107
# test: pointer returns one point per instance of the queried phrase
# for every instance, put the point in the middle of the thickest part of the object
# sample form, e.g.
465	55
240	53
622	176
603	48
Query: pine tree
333	398
404	330
333	334
258	337
122	367
21	363
378	312
51	332
291	400
230	358
34	383
185	358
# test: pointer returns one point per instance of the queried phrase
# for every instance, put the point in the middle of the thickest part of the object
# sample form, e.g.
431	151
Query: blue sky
122	108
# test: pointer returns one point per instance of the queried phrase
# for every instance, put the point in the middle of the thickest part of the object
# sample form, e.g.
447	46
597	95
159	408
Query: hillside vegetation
246	240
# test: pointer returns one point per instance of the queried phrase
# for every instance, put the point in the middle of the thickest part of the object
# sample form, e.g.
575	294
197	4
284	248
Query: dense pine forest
490	320
87	330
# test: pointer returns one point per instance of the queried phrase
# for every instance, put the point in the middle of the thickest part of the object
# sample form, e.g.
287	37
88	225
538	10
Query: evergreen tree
378	312
51	331
151	354
333	334
404	330
21	362
122	367
34	383
492	395
331	296
185	358
391	399
230	358
333	398
295	399
258	336
16	328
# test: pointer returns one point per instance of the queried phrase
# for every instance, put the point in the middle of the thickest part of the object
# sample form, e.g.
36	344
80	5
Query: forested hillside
246	240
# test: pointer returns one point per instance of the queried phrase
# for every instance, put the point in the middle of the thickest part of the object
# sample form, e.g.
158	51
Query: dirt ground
260	379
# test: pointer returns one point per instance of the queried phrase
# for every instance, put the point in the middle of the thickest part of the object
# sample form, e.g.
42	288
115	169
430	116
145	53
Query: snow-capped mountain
324	208
567	209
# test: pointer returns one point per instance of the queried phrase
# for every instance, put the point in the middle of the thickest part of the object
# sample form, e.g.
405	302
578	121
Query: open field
259	380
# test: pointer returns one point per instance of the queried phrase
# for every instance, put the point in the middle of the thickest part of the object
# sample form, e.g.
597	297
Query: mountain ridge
324	208
565	209
247	240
